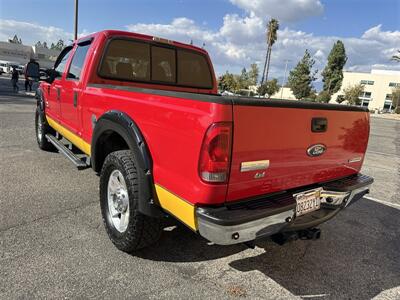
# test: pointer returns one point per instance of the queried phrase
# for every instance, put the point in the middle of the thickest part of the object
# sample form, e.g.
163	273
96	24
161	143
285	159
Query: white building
378	87
18	54
284	93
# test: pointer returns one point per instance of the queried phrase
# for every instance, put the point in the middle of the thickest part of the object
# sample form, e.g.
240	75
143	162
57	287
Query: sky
233	30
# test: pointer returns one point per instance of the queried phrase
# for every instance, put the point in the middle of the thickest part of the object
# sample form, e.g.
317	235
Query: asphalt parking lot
53	244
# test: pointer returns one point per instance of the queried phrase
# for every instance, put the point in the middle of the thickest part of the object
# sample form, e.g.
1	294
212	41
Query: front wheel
127	228
42	128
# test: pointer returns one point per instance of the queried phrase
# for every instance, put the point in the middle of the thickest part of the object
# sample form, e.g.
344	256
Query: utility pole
284	77
76	21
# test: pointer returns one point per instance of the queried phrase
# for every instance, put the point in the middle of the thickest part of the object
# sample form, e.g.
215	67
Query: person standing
14	79
28	84
32	73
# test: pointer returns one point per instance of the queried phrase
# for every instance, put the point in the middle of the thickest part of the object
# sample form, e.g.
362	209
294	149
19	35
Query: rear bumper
248	220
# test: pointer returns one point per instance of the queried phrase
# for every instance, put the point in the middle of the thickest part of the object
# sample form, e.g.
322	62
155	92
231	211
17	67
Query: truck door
53	91
72	88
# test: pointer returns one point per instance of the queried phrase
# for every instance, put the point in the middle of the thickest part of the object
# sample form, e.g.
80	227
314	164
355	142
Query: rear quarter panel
173	129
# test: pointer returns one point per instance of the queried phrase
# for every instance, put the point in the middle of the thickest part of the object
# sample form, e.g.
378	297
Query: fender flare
123	125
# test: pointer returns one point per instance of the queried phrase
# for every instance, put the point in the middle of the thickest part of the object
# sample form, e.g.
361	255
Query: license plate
308	201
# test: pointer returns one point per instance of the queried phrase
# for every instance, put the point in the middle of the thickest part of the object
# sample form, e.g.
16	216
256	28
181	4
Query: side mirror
48	75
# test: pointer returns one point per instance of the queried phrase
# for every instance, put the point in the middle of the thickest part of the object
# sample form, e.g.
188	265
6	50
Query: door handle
75	99
58	93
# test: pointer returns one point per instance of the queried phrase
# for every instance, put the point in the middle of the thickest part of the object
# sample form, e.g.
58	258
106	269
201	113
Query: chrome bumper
264	217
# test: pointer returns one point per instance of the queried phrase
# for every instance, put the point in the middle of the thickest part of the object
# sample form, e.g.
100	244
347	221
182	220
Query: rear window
138	61
193	69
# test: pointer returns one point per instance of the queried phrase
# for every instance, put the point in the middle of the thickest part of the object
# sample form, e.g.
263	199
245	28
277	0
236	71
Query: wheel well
108	142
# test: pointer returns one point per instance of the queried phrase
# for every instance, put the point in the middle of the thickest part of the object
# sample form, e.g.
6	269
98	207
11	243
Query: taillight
215	155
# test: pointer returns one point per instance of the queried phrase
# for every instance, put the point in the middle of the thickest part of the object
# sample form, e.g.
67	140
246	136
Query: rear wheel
127	228
42	128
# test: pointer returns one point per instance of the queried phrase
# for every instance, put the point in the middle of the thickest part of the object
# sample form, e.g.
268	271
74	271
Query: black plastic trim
122	124
85	41
348	184
247	101
229	100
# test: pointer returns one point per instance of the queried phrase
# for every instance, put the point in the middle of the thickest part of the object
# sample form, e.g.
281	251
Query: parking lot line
314	296
394	205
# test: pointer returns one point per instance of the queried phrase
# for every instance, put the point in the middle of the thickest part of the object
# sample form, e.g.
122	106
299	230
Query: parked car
145	114
5	67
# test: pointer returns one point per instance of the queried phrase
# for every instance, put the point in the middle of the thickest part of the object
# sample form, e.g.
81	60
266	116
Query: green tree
323	97
272	36
332	76
60	44
301	77
228	82
38	44
396	57
352	94
244	81
44	45
253	74
52	46
340	98
269	88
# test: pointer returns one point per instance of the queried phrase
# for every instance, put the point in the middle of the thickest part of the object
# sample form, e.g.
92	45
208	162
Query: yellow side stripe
177	207
72	137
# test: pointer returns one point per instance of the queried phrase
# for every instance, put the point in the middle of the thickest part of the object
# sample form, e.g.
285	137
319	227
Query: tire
41	129
119	180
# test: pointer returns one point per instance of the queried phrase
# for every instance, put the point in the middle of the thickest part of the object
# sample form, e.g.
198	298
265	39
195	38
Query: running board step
79	163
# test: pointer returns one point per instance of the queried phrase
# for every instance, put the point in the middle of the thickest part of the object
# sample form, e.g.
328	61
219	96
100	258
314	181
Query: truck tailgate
280	138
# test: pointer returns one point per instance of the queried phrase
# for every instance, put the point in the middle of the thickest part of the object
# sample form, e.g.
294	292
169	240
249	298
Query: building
18	54
15	53
378	87
284	93
44	56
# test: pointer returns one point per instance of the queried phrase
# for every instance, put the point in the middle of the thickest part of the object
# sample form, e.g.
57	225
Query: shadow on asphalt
357	257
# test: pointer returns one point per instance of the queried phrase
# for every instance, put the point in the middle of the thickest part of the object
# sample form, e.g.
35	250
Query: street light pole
76	21
284	77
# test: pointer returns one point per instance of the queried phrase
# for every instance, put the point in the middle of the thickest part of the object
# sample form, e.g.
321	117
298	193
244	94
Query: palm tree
272	28
396	57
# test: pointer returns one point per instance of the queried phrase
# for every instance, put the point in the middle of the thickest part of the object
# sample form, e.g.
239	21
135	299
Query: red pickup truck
145	114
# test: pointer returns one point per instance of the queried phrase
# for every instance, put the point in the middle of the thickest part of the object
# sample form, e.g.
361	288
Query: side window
163	64
77	62
59	67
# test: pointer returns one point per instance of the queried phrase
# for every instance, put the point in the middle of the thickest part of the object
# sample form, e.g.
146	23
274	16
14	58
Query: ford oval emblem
316	150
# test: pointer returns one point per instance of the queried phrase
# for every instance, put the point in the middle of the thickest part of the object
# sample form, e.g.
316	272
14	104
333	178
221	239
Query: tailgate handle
319	124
